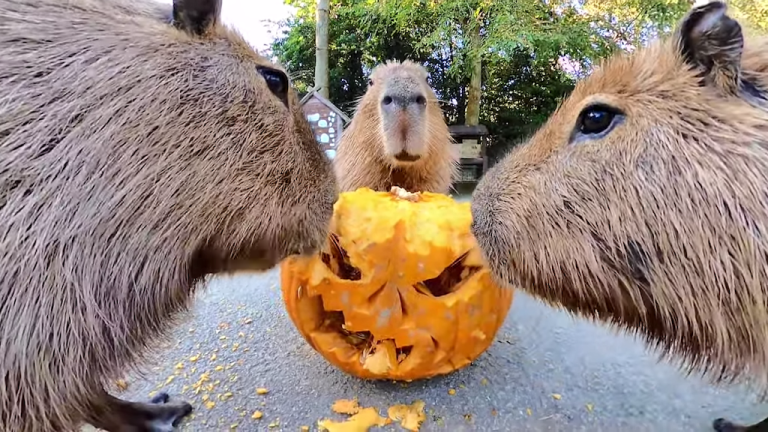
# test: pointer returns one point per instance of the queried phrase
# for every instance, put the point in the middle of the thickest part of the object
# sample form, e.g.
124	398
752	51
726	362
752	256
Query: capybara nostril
404	101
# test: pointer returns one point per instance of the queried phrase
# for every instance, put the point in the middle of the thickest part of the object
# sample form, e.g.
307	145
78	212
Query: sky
250	18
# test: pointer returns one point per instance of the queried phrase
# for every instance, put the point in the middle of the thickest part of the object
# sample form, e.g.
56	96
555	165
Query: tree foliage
532	51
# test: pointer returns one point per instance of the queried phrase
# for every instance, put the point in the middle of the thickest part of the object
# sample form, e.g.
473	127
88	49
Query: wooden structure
326	119
470	143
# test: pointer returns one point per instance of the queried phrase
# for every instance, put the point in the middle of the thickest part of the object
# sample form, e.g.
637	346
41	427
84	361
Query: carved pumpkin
400	291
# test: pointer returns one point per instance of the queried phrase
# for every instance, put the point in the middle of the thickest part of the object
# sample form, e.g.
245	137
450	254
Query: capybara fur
142	147
643	201
398	136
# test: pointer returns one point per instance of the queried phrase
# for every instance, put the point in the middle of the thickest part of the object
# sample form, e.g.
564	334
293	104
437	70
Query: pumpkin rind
394	326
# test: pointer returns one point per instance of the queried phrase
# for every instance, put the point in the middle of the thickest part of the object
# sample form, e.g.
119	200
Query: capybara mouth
404	156
305	251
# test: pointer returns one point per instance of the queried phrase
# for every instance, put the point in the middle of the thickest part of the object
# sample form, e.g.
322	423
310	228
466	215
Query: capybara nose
479	217
479	225
393	101
484	225
307	250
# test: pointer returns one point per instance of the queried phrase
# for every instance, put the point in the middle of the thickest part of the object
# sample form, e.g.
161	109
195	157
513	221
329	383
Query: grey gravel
539	351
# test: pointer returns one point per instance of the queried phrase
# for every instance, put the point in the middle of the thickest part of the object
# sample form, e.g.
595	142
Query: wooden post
484	154
321	48
472	117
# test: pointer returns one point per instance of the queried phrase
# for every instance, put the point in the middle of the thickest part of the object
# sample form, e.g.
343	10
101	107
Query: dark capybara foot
160	398
723	425
158	415
163	415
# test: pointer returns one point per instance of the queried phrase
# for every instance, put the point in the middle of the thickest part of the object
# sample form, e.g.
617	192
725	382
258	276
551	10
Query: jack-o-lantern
400	291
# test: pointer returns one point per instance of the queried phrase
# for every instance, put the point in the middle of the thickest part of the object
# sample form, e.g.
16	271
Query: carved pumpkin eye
390	299
597	120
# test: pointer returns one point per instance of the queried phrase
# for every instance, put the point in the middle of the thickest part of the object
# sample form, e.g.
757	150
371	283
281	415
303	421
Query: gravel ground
606	381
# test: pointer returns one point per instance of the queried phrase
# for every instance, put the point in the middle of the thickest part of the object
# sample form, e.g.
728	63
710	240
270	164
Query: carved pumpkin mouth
385	298
337	260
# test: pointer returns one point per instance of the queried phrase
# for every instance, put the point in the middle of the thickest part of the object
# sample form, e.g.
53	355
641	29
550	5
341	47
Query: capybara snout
300	206
503	207
488	230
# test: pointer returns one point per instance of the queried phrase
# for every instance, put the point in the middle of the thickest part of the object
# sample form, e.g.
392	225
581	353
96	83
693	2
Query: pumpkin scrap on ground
409	416
362	420
346	406
400	291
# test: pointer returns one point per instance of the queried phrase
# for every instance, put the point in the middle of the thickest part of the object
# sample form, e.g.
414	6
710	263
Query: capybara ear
713	42
196	16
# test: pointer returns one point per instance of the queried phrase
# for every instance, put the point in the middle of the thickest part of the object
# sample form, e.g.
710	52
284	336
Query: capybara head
398	136
142	146
643	201
187	134
400	97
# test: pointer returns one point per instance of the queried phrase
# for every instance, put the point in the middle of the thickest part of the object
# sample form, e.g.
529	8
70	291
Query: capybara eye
387	100
596	119
370	83
277	82
421	100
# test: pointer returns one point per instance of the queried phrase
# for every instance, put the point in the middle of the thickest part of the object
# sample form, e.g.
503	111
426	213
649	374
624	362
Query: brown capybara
398	136
142	147
643	201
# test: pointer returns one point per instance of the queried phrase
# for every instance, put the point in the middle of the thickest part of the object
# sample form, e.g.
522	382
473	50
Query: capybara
398	136
643	201
142	147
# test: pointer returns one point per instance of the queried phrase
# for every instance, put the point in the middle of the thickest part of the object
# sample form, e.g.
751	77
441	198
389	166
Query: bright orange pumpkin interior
400	291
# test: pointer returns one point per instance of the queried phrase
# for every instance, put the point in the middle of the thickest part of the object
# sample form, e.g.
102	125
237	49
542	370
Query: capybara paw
178	412
723	425
167	416
160	398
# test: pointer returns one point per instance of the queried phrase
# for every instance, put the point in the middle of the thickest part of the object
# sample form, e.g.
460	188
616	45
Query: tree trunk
321	48
461	105
472	117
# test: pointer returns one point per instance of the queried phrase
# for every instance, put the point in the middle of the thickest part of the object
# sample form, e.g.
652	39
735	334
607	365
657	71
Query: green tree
752	12
522	56
321	48
480	30
453	38
633	23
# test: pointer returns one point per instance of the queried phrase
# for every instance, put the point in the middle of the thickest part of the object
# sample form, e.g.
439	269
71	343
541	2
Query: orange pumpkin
400	291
